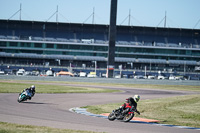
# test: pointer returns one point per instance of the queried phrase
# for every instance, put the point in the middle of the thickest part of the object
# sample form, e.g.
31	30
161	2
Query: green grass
16	128
18	87
142	86
165	87
181	110
138	86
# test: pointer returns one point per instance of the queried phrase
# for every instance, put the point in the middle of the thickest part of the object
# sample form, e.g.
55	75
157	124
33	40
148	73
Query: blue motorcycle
24	96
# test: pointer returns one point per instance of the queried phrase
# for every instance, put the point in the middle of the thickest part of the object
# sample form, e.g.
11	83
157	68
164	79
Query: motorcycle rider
31	91
132	102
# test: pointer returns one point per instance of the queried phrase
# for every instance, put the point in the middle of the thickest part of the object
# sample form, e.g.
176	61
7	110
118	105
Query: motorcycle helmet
33	87
136	98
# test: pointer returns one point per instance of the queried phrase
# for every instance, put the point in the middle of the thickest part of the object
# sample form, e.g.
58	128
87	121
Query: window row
75	53
103	48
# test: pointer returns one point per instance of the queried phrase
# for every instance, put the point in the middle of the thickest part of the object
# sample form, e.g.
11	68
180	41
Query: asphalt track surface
52	110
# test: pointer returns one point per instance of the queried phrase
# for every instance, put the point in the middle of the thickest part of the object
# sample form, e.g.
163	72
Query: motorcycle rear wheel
111	116
128	117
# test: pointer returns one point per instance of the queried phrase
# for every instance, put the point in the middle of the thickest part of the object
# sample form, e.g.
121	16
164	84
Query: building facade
64	44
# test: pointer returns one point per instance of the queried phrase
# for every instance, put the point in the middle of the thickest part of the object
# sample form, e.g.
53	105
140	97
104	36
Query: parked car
117	76
20	72
138	77
2	73
172	77
92	75
160	77
82	74
49	73
180	78
151	77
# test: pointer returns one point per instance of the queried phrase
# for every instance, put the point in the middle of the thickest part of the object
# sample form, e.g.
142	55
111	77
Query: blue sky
180	13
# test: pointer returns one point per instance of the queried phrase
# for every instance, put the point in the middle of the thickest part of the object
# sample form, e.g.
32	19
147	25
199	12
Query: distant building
40	43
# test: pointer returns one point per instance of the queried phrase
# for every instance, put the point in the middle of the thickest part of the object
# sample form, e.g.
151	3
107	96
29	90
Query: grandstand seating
42	31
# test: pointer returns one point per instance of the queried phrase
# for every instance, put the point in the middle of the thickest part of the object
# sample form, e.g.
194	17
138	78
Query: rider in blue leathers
30	91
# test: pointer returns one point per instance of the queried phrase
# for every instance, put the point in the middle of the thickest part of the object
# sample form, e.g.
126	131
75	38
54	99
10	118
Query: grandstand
65	44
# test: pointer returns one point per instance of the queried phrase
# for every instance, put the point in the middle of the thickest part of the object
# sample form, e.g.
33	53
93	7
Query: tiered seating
144	36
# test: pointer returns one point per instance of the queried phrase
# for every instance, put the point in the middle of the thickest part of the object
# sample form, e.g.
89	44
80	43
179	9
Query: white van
83	74
2	73
20	72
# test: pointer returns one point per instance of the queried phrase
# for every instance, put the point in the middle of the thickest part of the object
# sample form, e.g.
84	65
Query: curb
84	112
137	119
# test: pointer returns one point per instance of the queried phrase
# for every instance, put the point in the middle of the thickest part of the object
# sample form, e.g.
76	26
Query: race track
52	110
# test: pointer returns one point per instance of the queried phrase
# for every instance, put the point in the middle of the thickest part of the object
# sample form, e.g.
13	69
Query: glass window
102	54
3	44
49	45
188	52
74	46
22	44
86	47
59	46
52	52
196	53
100	48
13	44
38	45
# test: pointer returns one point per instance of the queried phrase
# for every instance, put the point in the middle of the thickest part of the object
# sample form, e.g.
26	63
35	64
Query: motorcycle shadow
34	103
139	122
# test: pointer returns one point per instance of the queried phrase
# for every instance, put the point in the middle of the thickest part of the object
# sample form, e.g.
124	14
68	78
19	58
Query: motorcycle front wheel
128	117
19	100
111	116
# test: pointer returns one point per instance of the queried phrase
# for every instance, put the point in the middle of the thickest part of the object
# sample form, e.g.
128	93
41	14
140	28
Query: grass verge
181	110
16	128
139	86
165	87
6	87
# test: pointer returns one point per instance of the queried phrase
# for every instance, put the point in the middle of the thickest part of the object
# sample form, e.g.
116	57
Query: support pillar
112	38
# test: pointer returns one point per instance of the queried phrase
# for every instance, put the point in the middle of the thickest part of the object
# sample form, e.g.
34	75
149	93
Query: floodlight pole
20	15
165	19
57	15
93	15
112	37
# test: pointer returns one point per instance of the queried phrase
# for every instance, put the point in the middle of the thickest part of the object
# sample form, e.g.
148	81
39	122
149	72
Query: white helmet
136	98
33	87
